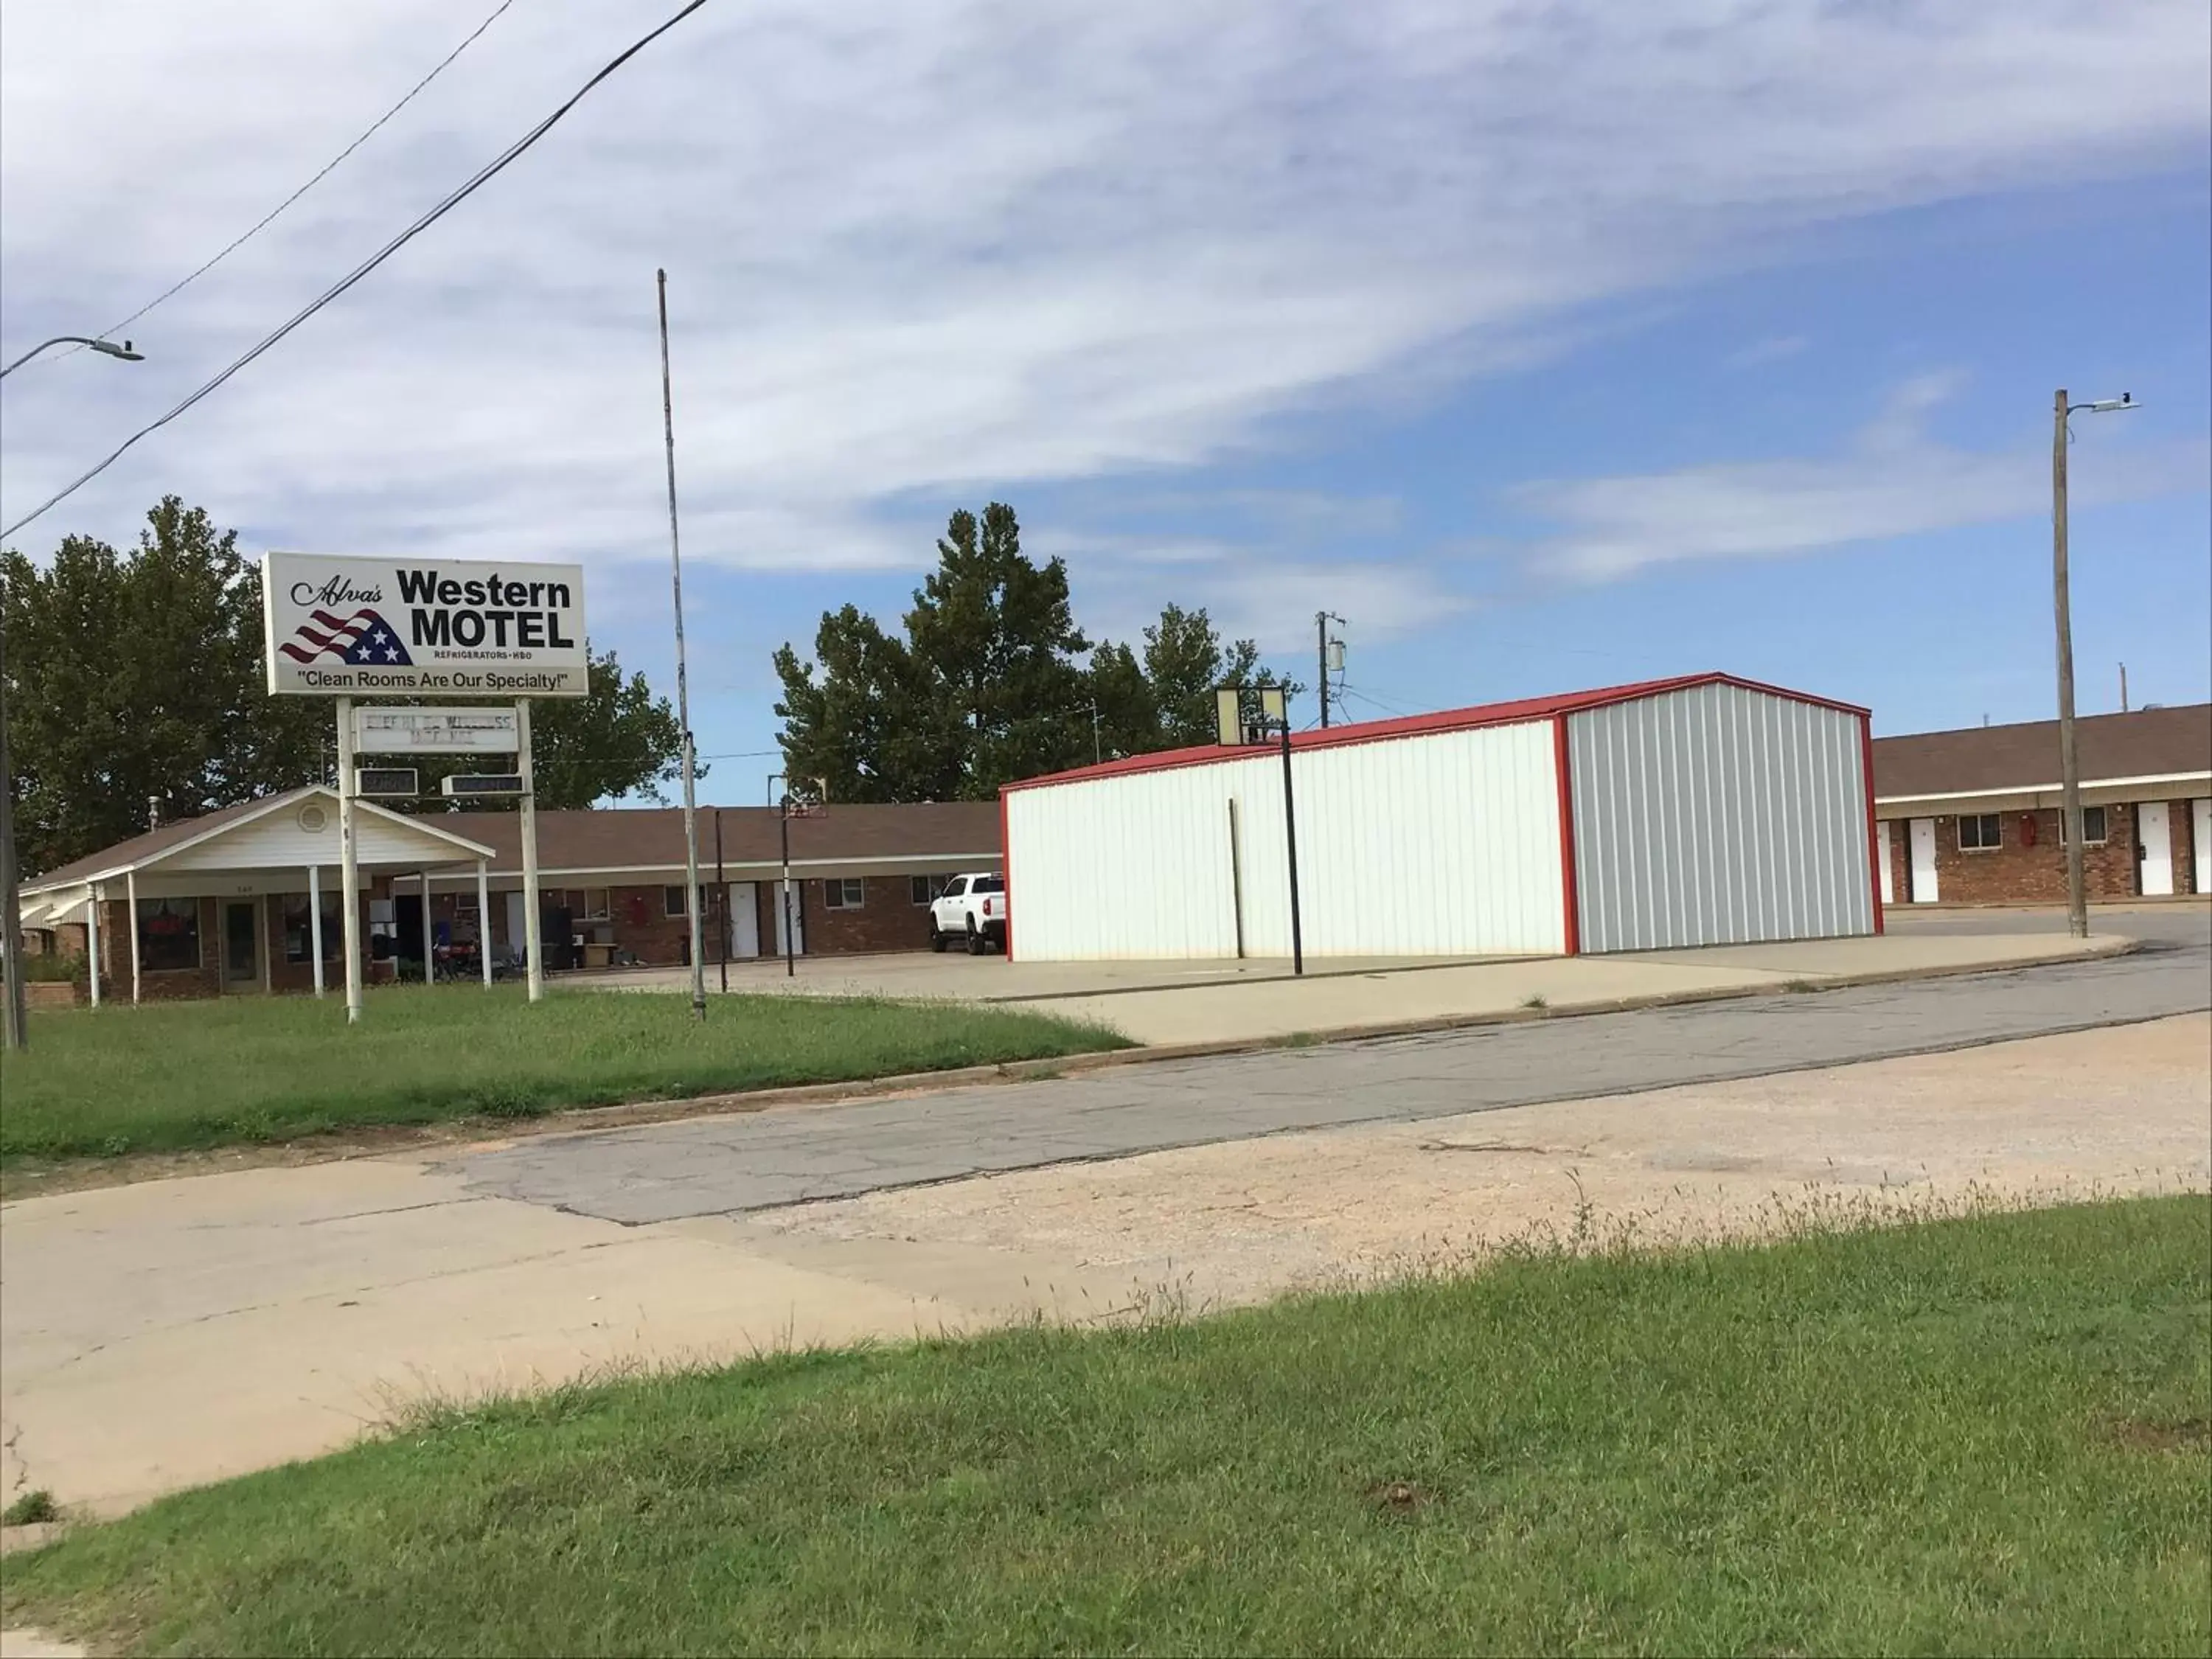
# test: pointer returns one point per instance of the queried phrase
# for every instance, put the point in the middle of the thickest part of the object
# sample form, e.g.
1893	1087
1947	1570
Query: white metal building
1706	809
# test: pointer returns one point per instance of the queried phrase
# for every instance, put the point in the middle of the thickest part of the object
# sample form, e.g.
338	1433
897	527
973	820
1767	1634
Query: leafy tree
983	688
137	677
986	687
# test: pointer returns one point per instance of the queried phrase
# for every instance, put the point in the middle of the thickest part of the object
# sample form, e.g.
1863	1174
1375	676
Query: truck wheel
937	941
976	943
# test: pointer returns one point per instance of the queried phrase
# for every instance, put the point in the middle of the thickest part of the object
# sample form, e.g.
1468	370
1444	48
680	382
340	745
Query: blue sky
1549	347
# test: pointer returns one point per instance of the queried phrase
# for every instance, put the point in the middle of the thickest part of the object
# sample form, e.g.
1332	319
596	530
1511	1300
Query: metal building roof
1416	725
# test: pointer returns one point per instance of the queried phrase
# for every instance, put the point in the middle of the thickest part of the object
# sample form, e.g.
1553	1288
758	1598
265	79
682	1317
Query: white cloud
942	247
1891	480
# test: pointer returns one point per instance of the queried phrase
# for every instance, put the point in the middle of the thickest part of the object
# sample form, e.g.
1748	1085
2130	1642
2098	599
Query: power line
477	180
263	223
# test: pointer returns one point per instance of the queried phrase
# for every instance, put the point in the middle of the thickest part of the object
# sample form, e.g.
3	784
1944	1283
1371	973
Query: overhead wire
483	176
269	217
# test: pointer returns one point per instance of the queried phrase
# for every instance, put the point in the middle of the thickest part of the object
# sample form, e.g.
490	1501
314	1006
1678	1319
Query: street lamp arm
106	347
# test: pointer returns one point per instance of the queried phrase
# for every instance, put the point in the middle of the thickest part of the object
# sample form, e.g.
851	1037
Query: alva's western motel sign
355	627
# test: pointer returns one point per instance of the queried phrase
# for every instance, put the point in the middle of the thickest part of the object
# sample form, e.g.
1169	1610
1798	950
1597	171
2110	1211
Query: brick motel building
226	903
1972	817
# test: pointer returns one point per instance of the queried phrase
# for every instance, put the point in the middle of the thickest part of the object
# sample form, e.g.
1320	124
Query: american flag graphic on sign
364	640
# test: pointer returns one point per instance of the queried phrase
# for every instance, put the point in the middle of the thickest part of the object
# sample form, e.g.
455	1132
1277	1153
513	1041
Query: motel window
595	907
1981	832
844	894
299	934
927	890
671	902
168	934
2093	826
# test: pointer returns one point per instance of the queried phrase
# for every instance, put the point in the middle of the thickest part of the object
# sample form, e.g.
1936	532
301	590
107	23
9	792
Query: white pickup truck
973	909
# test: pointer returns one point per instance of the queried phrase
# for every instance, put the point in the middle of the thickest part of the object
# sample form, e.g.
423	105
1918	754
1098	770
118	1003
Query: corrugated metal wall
1440	845
1719	816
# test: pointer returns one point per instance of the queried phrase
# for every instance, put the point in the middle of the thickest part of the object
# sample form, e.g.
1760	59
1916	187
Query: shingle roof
639	838
2148	742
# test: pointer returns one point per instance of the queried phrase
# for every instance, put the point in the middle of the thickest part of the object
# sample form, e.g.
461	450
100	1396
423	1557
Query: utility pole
682	689
11	914
722	897
2069	768
1321	619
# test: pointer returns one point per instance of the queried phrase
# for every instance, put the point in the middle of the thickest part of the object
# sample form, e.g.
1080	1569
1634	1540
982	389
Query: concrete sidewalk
1383	998
1177	1002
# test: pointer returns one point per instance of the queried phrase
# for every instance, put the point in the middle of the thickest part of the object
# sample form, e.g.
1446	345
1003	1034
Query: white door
2155	836
1889	880
1923	860
745	919
2201	841
798	910
518	927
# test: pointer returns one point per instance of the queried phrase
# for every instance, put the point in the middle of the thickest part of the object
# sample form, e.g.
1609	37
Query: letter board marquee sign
424	628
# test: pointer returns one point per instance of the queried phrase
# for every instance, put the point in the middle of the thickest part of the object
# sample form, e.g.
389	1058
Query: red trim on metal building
1571	897
1874	827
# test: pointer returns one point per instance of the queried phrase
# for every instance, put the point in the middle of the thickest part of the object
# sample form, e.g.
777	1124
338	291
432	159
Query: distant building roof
2150	742
609	841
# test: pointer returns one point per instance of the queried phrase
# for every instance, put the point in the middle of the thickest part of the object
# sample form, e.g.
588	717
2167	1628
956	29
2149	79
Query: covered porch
247	902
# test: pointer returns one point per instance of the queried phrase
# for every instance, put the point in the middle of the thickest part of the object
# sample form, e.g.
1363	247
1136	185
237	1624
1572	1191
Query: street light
2069	769
105	348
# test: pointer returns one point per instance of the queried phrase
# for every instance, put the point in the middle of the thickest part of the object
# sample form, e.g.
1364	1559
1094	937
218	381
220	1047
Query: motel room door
2200	813
745	919
1923	862
2155	847
241	944
1888	879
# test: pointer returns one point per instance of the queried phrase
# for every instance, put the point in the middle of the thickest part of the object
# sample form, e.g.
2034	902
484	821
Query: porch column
268	955
483	920
430	932
92	939
315	921
130	894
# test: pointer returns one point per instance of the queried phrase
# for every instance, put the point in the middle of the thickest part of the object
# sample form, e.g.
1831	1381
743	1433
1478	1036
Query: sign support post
315	921
348	863
532	925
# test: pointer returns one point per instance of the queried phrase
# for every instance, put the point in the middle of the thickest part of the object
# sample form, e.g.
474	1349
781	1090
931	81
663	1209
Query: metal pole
722	889
315	922
1291	841
483	921
2069	769
348	862
790	941
130	903
11	908
1321	628
683	692
92	939
2124	688
532	924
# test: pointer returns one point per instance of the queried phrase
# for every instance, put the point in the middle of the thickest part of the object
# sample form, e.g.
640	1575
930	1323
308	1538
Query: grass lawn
170	1076
1977	1436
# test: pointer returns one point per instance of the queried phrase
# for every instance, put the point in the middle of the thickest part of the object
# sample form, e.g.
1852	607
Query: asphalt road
722	1165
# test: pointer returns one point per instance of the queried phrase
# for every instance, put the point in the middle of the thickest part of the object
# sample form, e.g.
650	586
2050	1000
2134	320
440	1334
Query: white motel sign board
435	731
429	628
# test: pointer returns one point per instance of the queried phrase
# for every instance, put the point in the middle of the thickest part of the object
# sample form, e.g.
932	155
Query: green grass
162	1078
1983	1435
29	1510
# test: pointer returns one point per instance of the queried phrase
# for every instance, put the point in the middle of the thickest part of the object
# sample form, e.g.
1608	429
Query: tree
137	677
984	687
